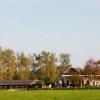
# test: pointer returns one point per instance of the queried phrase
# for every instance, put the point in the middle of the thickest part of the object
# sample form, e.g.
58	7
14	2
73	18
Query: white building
71	77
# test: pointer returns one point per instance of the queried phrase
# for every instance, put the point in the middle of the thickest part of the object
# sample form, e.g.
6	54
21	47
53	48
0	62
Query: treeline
45	66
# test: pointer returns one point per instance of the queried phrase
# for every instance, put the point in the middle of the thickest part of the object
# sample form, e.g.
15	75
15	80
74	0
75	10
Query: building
71	78
7	84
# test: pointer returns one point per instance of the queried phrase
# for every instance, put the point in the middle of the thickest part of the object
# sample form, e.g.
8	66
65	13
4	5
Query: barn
13	84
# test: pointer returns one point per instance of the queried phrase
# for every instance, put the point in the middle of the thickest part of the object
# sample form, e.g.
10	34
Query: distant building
7	84
72	78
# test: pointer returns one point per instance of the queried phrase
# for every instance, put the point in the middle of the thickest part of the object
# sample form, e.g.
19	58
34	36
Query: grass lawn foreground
51	95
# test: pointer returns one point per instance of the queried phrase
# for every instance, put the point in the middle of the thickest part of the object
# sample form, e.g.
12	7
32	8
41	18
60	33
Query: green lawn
51	95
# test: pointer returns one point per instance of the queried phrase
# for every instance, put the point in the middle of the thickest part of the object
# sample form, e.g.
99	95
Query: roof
19	82
71	71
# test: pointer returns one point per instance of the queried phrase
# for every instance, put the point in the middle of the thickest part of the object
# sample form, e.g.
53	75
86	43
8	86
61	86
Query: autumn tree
7	64
89	70
1	67
24	64
51	71
44	66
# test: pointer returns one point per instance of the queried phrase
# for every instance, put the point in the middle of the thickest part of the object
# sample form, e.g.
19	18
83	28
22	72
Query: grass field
51	95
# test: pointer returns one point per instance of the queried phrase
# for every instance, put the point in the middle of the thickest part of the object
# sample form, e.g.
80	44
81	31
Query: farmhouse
71	77
7	84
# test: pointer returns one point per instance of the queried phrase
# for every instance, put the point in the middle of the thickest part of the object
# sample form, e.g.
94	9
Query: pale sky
68	26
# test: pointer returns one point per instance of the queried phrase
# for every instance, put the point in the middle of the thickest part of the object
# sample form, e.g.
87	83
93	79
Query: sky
60	26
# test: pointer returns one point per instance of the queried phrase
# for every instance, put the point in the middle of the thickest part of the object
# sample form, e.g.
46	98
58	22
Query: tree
44	67
1	67
51	71
89	70
53	67
24	64
64	60
7	64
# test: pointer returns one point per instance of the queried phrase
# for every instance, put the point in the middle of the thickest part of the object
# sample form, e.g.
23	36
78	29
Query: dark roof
71	71
19	82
